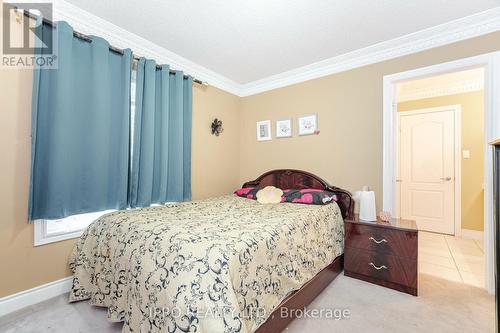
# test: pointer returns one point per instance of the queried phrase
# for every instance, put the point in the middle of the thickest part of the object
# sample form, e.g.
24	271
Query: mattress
214	265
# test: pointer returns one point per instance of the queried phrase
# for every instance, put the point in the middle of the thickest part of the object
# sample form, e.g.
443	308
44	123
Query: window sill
42	239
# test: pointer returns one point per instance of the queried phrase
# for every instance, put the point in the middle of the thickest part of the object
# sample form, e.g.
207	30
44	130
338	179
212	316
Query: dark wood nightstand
384	253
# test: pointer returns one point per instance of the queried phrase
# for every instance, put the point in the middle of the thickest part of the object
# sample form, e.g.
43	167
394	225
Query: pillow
309	196
269	195
247	192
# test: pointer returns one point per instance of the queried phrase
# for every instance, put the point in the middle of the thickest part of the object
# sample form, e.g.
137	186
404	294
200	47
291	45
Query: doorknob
446	178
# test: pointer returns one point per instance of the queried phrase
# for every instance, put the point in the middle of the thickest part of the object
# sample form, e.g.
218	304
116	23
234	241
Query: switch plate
466	154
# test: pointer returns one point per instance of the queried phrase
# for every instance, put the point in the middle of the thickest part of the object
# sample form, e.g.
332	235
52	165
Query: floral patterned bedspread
215	265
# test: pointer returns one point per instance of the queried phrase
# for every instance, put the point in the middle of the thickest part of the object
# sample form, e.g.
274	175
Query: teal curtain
161	151
80	134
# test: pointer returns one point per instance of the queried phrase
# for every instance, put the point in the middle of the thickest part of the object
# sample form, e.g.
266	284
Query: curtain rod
86	38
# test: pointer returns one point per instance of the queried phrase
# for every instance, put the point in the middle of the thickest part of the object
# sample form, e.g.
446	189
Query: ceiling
442	85
246	41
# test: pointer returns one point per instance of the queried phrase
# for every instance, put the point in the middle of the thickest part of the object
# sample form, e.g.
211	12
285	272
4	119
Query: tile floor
452	258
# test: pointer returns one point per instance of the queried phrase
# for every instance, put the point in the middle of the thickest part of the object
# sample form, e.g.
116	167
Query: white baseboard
35	295
474	234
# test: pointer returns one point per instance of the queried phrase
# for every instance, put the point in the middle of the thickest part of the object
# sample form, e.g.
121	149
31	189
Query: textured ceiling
250	40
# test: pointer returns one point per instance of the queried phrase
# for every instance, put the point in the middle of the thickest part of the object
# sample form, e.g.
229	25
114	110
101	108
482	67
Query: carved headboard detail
296	179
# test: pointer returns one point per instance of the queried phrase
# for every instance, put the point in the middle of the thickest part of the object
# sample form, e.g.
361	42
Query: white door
427	155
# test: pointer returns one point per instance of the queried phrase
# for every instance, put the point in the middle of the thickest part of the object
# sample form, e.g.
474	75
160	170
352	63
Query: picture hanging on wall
308	124
264	130
284	128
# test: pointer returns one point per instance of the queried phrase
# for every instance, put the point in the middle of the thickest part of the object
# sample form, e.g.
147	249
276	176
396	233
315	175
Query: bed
225	264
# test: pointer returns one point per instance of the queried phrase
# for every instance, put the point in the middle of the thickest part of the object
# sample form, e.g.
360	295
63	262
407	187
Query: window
48	231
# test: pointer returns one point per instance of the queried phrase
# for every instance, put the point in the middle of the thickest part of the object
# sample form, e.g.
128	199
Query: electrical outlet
466	154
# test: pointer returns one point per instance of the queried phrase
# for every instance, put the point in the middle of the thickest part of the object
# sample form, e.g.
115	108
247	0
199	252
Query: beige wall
348	151
473	140
24	266
214	158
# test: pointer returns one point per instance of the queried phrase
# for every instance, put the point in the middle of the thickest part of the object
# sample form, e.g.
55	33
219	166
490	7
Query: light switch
466	154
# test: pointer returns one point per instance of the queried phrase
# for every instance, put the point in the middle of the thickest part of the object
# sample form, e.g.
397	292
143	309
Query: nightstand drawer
399	243
381	266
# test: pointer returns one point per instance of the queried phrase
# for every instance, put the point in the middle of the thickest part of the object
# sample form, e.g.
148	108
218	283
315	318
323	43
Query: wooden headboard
296	179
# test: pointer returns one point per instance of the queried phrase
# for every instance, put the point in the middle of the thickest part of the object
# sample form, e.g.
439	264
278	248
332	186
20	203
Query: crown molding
460	87
447	33
454	31
88	23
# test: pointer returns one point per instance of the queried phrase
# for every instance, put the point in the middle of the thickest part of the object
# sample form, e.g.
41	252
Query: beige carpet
442	306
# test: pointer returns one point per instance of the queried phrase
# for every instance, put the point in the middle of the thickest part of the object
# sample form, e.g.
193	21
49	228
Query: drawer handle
377	241
378	267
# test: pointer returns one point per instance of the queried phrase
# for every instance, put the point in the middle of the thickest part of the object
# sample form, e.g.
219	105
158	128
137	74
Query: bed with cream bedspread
214	265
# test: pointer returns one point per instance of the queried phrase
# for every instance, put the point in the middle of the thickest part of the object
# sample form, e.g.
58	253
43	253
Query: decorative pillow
247	192
309	196
269	195
305	196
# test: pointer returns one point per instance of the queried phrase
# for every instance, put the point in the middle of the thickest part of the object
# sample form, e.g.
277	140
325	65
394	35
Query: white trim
88	23
458	170
457	143
443	34
35	295
442	90
491	63
457	30
473	234
41	237
41	227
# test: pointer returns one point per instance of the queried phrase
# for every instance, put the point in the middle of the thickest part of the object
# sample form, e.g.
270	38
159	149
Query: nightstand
384	253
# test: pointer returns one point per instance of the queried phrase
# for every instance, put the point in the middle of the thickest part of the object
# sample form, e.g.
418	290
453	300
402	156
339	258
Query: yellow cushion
269	194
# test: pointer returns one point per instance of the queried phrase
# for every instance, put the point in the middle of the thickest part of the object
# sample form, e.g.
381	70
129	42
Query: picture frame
308	124
264	130
284	128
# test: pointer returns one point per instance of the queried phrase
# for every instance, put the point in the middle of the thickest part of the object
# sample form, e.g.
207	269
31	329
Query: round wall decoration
217	127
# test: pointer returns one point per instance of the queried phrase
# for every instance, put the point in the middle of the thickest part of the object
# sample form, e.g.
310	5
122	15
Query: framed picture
308	124
264	130
284	128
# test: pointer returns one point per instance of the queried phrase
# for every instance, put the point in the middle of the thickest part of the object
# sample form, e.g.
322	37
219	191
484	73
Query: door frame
457	149
491	64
